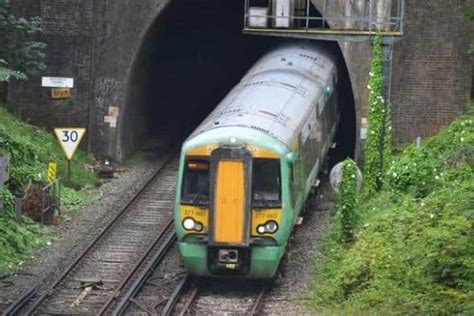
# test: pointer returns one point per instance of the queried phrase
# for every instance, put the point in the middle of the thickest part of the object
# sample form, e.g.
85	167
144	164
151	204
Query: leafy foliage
413	251
378	144
346	213
20	56
17	239
73	200
469	13
30	149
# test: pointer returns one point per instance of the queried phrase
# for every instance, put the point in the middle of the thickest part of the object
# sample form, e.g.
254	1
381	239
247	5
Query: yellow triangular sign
69	138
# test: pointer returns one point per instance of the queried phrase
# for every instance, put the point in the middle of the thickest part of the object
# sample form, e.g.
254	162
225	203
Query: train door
230	196
229	201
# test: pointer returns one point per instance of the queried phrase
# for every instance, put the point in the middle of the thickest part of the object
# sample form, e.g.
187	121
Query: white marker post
69	139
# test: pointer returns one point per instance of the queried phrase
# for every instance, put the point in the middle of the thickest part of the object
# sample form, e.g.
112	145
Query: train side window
195	190
293	186
259	3
266	183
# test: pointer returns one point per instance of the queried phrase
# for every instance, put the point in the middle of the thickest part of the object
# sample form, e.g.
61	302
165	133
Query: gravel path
296	270
74	235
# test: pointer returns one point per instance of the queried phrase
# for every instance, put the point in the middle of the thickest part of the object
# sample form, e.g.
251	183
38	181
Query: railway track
152	290
140	233
199	297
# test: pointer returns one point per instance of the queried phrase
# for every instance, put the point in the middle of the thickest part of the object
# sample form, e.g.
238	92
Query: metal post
324	14
370	16
246	10
58	196
402	15
69	173
307	14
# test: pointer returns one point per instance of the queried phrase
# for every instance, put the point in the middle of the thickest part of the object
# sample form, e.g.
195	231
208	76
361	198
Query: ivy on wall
346	213
379	137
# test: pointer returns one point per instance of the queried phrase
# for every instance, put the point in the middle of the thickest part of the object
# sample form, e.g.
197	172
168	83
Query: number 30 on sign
69	138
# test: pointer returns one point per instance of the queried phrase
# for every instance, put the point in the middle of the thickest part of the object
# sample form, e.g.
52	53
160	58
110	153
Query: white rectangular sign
57	82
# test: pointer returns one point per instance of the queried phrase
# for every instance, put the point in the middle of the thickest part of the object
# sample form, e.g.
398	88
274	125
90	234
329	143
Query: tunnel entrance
190	58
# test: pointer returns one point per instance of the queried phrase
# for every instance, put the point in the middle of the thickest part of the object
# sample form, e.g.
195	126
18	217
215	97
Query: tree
20	55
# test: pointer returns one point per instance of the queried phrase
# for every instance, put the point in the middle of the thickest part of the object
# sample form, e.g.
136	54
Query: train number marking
193	213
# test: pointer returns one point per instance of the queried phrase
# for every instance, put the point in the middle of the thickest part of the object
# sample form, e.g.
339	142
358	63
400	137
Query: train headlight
198	227
190	224
269	227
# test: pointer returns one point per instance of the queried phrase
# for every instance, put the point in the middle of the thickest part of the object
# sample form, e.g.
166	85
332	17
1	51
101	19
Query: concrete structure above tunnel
352	25
103	45
354	22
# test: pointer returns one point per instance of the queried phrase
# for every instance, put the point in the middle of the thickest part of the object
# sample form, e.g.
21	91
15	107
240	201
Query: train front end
229	212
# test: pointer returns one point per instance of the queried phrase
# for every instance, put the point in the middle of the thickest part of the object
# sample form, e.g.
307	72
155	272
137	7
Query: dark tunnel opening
345	138
191	57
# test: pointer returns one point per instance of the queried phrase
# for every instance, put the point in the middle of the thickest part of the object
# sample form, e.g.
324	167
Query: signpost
57	82
69	139
60	93
52	167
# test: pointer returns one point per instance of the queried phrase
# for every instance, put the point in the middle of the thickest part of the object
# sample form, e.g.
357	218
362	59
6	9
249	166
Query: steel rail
144	276
98	237
161	253
190	300
14	308
173	300
257	304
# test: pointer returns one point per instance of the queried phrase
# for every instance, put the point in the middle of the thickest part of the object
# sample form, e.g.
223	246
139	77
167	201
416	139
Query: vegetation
17	239
413	248
469	13
346	216
19	55
30	149
378	144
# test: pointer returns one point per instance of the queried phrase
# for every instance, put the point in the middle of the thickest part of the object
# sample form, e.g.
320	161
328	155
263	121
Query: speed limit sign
69	138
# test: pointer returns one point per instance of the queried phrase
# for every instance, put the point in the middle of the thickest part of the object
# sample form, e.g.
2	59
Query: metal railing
363	20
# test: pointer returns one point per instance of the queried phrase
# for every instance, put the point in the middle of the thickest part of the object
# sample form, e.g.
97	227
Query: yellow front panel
260	217
198	214
229	207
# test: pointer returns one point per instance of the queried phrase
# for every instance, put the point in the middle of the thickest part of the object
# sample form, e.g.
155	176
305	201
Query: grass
413	251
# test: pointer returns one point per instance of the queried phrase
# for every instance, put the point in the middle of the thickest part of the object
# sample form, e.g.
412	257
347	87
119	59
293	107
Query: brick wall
66	28
431	81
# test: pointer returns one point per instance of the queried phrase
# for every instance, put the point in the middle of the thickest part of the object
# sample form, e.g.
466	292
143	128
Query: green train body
247	170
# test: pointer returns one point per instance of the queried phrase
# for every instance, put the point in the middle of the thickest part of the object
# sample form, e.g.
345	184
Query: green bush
346	214
17	239
413	250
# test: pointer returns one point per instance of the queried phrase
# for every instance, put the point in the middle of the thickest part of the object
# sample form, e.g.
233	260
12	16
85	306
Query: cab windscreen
195	189
266	183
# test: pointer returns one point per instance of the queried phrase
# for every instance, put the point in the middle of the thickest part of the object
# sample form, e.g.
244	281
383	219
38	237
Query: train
246	171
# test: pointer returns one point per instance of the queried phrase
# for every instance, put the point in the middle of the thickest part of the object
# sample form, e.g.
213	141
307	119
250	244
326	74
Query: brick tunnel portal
191	56
166	63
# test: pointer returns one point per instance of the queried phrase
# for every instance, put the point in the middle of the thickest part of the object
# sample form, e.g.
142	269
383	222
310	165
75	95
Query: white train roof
276	94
